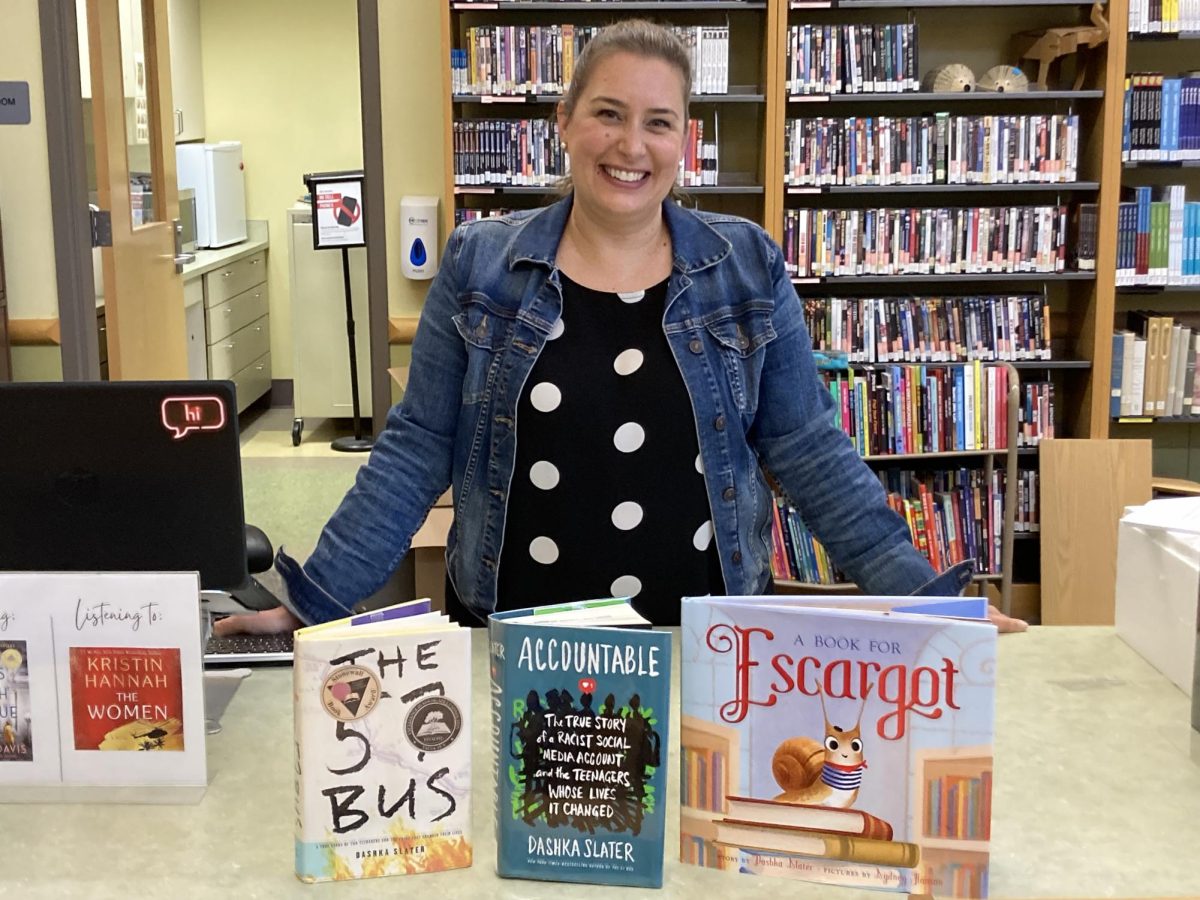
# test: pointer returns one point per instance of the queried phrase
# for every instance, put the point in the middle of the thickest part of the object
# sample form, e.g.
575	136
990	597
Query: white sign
101	685
338	214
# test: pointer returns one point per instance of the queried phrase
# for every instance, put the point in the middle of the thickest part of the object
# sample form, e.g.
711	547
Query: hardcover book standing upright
580	730
845	741
383	745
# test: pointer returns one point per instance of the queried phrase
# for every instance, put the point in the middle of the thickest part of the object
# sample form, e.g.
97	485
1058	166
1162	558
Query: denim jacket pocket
485	330
741	332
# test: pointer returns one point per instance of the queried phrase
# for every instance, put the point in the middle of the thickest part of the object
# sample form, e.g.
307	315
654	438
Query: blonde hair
638	37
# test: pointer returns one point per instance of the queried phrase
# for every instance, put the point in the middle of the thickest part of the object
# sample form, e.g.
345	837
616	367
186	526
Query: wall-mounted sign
14	102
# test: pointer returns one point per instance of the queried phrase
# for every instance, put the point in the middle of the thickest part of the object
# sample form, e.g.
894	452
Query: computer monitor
122	476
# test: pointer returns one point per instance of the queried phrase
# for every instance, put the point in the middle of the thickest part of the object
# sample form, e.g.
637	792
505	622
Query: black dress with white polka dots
607	496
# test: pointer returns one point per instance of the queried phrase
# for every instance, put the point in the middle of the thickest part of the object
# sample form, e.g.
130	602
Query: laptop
128	476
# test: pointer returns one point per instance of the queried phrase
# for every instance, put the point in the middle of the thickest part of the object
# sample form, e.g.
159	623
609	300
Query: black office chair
252	593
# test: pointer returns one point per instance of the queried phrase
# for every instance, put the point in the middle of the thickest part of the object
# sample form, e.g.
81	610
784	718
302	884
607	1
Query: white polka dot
703	536
545	397
627	515
557	331
631	296
543	550
629	437
699	464
626	586
544	475
628	362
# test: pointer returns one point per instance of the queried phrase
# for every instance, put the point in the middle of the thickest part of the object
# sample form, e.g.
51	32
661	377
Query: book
16	710
808	816
383	745
127	698
856	735
580	731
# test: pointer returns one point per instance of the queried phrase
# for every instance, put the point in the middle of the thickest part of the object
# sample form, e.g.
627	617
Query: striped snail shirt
842	778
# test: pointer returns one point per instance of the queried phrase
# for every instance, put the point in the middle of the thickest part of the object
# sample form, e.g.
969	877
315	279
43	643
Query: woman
651	360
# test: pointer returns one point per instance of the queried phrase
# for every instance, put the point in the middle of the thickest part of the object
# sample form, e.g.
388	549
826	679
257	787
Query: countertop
207	260
1096	794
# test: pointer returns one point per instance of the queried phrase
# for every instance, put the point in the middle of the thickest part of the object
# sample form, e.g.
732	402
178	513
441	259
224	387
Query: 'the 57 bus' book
846	741
383	745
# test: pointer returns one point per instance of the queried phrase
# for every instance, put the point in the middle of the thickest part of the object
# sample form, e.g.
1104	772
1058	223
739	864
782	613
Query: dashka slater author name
584	848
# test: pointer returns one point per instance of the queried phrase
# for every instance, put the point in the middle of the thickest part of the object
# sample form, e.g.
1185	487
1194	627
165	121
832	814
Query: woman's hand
1005	624
269	621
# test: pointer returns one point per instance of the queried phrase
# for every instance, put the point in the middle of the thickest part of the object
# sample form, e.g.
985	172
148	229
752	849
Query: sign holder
339	224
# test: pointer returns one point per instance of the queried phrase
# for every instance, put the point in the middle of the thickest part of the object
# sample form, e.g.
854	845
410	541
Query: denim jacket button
695	346
728	494
737	556
719	423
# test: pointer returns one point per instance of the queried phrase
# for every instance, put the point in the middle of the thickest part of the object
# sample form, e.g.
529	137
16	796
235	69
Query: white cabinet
235	320
321	361
193	319
187	79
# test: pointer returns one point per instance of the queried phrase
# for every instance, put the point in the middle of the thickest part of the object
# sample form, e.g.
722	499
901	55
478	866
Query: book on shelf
1158	237
952	515
925	241
916	329
930	149
531	60
1156	360
854	734
580	701
852	59
1164	17
1161	117
383	745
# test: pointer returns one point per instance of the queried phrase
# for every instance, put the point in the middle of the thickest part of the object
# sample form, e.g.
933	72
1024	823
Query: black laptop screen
122	476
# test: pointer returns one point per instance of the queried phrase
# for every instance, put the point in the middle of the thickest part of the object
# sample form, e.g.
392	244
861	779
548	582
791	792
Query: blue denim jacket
735	327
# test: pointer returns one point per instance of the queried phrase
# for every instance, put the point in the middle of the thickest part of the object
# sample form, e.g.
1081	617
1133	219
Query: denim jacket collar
696	244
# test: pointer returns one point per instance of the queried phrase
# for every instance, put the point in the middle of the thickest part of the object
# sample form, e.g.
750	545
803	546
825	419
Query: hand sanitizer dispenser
418	237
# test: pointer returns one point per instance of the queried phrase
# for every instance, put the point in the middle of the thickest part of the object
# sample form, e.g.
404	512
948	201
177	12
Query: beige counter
1096	795
208	260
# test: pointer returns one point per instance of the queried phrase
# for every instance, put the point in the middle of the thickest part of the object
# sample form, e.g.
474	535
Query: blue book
1171	106
1125	121
1118	348
580	710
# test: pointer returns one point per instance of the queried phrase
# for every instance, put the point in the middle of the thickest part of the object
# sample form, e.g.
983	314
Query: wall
25	192
411	62
281	76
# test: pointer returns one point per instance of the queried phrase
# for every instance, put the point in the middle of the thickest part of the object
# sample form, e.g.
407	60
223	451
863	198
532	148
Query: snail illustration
822	773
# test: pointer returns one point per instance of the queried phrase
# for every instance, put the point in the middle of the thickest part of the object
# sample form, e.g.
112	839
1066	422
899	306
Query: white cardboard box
1158	583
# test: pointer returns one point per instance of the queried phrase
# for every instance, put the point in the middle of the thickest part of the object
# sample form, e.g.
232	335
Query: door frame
72	223
65	139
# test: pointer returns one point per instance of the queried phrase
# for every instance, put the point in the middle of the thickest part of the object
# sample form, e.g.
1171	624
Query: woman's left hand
1005	624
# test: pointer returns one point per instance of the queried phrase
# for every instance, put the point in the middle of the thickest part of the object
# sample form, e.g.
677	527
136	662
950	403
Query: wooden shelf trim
974	276
34	332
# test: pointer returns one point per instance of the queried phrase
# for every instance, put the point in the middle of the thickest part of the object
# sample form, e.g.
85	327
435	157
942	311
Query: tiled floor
290	491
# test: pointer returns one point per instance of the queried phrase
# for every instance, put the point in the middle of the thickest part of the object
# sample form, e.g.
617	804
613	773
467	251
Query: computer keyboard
239	649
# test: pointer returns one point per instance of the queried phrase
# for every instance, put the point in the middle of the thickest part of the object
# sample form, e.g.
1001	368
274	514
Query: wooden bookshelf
753	117
959	849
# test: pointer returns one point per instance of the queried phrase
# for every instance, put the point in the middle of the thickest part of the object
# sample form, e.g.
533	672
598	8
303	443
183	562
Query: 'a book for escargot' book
840	740
383	745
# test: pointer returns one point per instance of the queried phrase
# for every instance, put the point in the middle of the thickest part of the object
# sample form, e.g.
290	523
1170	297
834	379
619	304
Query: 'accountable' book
580	709
840	740
383	745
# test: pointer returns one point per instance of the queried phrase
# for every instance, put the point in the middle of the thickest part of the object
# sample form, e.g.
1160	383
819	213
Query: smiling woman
604	382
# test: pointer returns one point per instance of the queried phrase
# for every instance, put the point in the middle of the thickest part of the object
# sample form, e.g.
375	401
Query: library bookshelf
1172	55
750	121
